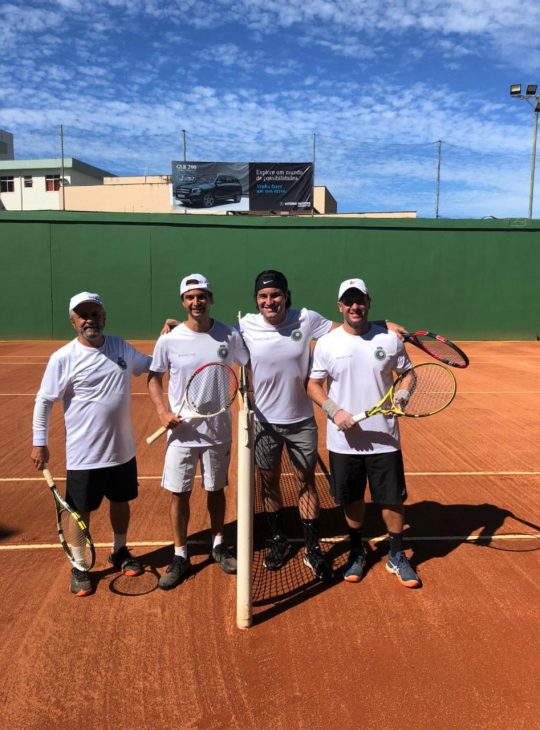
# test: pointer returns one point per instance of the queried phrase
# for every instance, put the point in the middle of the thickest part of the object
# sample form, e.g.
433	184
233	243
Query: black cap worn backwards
271	278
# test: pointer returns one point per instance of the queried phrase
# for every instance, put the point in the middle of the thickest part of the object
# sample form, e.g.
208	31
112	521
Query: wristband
331	408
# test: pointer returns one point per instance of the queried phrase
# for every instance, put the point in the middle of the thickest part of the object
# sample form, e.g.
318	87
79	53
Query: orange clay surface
461	652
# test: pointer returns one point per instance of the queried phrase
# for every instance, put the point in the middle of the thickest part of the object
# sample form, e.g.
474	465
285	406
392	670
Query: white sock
218	540
119	541
181	551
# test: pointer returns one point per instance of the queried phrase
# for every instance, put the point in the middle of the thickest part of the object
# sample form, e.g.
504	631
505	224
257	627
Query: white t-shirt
280	358
359	370
180	353
95	387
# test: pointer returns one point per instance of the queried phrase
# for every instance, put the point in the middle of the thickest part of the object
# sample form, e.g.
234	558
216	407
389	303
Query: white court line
322	473
341	538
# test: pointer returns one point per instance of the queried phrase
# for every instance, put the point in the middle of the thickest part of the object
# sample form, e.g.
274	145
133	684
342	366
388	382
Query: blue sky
378	82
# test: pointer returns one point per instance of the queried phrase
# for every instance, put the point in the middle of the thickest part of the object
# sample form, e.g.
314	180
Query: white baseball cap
352	284
82	297
194	281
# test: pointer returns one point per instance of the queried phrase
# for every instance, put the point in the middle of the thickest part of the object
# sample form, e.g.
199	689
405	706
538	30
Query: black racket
423	390
211	390
438	347
72	530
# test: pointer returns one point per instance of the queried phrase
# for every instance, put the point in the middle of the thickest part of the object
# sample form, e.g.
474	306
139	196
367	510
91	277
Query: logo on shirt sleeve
380	354
121	363
296	335
223	352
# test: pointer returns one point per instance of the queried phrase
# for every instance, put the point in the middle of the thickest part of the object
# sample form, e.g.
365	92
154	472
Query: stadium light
530	93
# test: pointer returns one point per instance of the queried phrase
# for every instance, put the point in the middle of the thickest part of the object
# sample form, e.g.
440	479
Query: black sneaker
278	551
80	582
174	573
123	560
224	558
315	561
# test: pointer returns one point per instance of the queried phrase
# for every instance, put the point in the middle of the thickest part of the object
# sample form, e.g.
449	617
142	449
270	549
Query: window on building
7	184
52	183
28	181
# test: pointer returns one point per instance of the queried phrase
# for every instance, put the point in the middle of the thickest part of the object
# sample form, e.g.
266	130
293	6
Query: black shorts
85	488
385	473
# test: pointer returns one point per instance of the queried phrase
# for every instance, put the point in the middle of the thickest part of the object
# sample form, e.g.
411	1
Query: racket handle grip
154	437
360	416
48	476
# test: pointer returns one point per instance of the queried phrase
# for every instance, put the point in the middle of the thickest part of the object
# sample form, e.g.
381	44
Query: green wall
466	279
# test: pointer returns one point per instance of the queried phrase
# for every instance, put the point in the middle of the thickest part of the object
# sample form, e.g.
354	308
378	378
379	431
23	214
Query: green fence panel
466	279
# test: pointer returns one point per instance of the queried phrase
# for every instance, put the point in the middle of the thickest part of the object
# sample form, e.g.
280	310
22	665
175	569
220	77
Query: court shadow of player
434	530
6	532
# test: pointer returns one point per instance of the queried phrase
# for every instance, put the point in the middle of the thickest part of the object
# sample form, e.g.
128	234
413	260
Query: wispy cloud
377	81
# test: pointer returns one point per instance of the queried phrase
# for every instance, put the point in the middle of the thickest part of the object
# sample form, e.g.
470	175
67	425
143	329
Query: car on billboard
206	192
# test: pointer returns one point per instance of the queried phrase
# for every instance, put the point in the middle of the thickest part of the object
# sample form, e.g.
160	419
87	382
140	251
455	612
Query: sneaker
280	547
224	558
355	565
400	566
80	582
315	561
123	560
174	573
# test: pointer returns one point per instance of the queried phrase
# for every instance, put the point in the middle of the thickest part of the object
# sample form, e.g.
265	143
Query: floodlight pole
536	110
533	160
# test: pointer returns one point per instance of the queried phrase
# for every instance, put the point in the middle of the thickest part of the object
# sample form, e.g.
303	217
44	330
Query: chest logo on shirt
380	354
223	352
121	363
296	335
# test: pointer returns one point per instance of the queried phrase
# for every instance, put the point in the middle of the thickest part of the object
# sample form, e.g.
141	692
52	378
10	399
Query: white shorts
181	465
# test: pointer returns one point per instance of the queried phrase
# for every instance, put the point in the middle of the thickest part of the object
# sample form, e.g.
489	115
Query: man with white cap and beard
91	375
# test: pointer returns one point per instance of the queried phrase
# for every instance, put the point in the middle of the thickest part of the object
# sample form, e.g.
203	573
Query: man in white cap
357	361
91	375
195	342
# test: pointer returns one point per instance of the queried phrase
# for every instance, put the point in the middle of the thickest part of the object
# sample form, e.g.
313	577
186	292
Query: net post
244	580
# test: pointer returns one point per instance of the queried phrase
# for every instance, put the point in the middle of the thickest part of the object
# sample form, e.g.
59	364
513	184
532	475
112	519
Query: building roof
56	163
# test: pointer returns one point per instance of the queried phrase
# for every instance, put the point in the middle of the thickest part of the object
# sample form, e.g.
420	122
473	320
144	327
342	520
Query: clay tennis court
461	652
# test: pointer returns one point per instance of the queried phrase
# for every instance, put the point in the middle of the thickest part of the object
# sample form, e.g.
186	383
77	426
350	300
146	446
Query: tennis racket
72	530
438	347
211	390
423	390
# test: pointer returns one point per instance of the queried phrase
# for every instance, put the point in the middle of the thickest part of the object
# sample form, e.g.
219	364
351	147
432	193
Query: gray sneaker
400	566
174	573
224	558
80	584
355	565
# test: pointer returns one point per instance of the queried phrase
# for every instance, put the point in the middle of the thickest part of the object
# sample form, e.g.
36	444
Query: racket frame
60	505
412	338
395	410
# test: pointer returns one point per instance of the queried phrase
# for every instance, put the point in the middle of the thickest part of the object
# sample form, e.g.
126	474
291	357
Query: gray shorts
299	438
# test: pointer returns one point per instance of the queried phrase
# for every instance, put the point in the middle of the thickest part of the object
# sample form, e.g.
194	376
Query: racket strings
76	540
424	390
212	389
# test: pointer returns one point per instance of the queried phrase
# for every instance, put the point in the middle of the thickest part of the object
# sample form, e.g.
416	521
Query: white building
36	184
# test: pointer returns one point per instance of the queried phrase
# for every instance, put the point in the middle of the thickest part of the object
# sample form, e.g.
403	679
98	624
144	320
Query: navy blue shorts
85	488
385	473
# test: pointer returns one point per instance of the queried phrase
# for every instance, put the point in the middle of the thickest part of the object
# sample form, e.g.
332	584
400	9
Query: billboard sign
203	187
